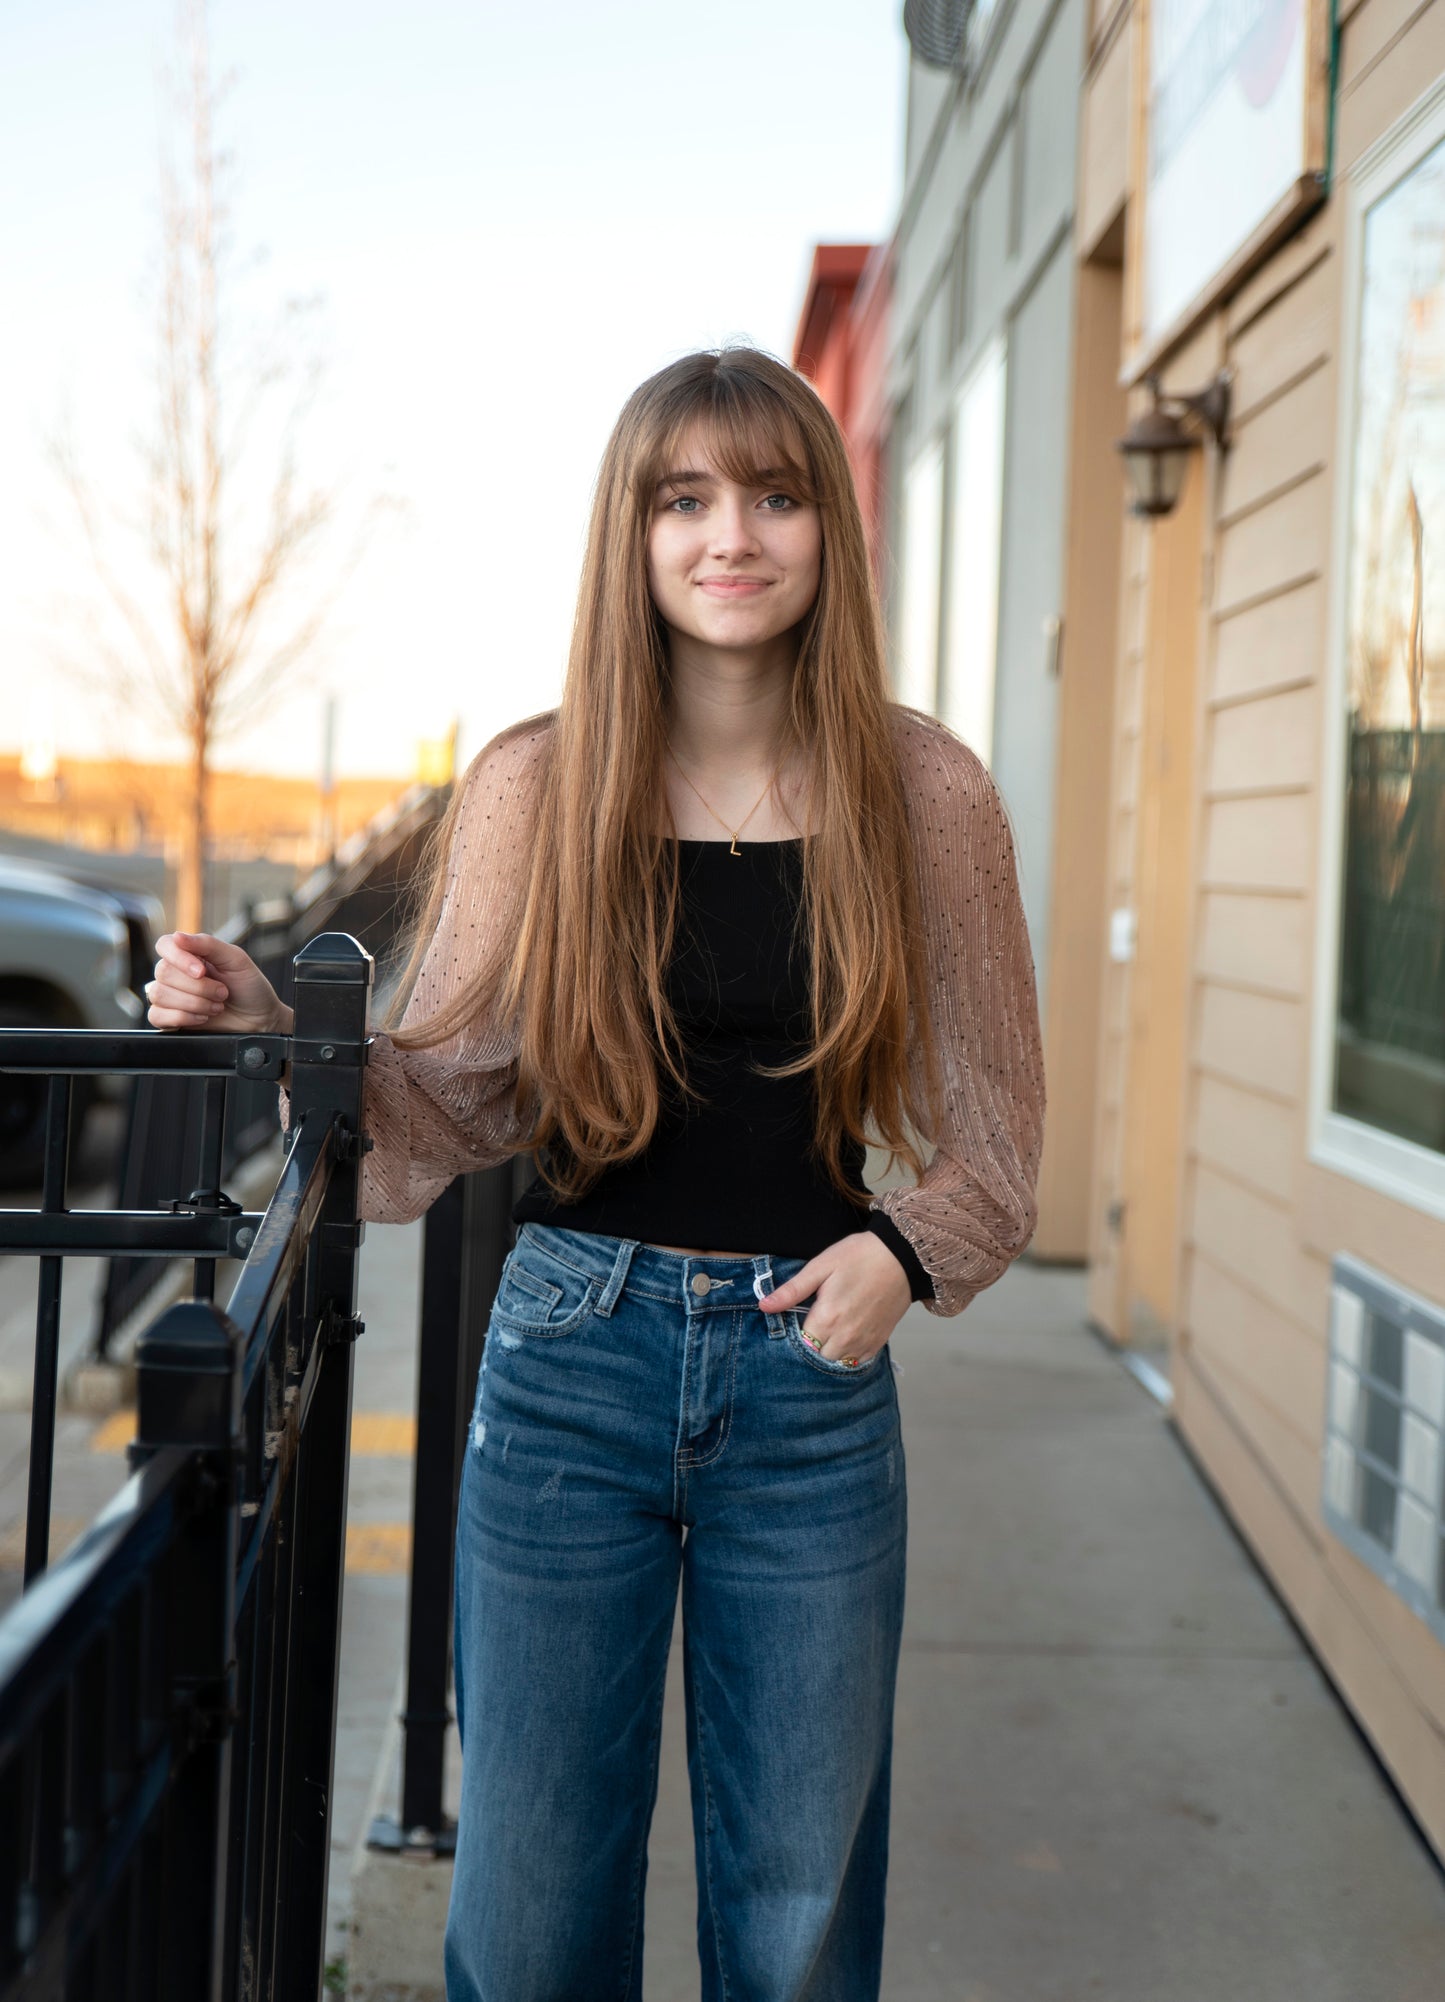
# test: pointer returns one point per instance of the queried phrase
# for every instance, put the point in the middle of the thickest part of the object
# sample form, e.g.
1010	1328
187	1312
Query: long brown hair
584	974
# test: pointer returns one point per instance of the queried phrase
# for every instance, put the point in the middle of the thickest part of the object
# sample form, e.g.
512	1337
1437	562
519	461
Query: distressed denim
639	1418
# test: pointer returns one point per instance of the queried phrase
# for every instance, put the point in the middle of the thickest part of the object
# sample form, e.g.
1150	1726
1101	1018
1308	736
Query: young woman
696	936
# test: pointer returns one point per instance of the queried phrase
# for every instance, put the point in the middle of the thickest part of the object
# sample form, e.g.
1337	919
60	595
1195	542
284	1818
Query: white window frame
968	680
1398	1168
922	577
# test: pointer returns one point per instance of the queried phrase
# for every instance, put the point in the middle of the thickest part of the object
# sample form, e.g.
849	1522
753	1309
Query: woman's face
731	566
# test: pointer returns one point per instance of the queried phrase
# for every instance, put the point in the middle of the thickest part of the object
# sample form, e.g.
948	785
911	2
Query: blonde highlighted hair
584	975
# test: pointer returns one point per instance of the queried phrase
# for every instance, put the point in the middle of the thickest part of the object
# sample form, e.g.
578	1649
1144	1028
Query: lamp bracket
1210	404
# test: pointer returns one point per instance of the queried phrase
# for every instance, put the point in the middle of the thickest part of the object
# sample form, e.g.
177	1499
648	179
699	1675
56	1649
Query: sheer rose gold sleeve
440	1112
975	1210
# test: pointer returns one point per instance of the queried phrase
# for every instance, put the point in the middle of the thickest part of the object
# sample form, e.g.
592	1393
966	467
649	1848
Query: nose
733	530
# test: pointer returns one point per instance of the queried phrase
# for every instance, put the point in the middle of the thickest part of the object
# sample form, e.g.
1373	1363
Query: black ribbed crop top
733	1173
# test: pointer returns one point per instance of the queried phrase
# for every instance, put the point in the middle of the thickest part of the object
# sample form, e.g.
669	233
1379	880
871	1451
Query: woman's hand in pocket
861	1293
202	982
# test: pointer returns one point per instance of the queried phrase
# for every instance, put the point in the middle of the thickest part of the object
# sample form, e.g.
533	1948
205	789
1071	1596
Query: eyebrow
763	476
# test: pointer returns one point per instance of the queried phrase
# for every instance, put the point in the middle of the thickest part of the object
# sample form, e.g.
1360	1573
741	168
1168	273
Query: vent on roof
937	30
1384	1471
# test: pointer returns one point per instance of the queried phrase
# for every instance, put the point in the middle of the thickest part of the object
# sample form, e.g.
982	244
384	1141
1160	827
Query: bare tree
215	633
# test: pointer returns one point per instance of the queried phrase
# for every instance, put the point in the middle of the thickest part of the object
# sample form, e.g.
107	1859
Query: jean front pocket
799	1345
540	1295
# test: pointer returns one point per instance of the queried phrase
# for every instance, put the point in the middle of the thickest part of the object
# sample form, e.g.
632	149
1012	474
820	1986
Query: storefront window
1389	1043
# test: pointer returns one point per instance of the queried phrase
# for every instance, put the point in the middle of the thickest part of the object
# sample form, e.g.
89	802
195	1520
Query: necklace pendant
735	850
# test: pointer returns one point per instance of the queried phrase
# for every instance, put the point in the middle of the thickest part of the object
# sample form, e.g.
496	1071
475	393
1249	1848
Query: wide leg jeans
639	1419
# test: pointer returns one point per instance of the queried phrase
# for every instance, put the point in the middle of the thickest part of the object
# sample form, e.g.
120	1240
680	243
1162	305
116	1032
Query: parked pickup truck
73	955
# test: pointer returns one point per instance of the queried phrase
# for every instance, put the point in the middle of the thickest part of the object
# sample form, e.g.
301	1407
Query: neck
726	710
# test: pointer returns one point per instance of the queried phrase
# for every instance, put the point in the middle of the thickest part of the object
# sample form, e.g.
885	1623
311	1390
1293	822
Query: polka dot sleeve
439	1112
975	1209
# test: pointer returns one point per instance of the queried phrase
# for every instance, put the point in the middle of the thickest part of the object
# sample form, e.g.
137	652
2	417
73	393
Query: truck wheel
23	1098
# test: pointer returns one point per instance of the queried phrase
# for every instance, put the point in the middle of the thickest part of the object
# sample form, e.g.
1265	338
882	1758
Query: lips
733	587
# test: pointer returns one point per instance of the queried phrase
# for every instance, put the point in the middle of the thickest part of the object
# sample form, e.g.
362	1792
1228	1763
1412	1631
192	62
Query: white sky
515	213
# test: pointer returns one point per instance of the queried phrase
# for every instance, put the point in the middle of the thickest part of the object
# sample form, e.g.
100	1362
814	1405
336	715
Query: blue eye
685	503
786	499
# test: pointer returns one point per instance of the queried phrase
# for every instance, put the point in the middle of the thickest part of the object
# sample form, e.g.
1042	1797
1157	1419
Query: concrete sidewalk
1118	1773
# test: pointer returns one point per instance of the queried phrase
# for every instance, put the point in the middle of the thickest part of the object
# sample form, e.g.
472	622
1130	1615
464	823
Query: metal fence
168	1686
361	893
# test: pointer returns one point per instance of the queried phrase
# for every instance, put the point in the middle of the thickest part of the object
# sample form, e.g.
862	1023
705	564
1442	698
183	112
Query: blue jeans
638	1417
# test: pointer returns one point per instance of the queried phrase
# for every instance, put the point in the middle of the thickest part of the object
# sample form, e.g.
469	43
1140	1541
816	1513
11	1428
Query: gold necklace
733	831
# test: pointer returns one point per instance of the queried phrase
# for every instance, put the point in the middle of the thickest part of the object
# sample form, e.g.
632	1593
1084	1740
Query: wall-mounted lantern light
1156	445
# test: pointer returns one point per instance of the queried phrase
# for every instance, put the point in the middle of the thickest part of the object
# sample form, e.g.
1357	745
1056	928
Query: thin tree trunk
191	874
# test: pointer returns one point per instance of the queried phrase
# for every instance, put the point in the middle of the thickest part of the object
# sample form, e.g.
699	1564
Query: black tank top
733	1174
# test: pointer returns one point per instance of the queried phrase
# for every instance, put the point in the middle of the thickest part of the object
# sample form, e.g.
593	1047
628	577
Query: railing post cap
335	957
188	1379
193	1335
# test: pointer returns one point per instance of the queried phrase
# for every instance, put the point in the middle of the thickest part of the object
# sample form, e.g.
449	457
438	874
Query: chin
739	635
753	623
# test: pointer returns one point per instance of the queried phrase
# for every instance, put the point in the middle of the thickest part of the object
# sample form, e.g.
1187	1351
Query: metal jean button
702	1284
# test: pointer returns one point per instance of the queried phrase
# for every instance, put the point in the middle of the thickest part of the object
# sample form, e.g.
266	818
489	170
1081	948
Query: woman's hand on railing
203	982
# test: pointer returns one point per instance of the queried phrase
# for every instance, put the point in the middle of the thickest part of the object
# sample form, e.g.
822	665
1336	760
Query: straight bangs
750	433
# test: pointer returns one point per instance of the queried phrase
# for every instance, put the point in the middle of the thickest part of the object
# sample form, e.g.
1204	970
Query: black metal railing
361	891
466	1237
168	1685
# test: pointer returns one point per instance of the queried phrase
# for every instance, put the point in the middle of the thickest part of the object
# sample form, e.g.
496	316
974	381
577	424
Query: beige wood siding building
1203	670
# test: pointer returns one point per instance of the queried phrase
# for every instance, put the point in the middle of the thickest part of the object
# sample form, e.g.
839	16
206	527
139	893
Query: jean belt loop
762	1278
617	1278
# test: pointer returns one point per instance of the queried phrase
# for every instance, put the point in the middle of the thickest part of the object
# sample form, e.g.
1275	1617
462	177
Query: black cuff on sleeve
920	1286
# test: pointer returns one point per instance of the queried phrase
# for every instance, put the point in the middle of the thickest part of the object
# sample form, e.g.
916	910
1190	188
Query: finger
216	952
174	949
799	1287
177	1018
171	988
166	994
178	966
191	952
180	987
850	1354
165	1012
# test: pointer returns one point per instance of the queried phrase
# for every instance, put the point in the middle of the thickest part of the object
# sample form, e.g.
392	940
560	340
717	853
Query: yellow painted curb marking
378	1549
377	1434
115	1434
373	1549
383	1432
